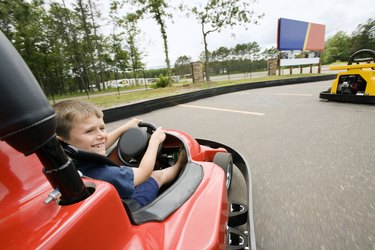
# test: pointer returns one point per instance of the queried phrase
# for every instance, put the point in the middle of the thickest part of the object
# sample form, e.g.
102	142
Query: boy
81	125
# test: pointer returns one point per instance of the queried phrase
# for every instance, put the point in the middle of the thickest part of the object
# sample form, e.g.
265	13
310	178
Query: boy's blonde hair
67	111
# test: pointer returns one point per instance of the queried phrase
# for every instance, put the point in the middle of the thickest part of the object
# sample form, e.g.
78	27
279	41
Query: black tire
225	161
237	214
236	239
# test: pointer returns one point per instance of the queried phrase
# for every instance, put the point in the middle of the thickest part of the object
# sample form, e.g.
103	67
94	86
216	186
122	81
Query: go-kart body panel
356	84
100	221
365	71
197	152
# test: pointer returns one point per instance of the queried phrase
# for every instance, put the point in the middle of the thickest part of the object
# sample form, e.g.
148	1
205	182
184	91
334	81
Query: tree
65	60
23	30
253	50
130	23
221	54
66	22
50	49
83	13
337	48
87	14
216	15
158	10
364	36
182	65
270	53
119	58
248	51
11	13
98	39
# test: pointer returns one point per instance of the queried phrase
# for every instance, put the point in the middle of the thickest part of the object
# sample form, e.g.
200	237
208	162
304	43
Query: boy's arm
146	167
115	134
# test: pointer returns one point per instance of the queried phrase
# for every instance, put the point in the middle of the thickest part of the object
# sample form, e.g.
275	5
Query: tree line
242	58
340	46
67	51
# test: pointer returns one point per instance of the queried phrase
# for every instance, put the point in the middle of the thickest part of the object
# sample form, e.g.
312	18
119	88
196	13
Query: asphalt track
312	161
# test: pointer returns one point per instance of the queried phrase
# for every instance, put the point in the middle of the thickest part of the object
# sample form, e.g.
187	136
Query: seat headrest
27	118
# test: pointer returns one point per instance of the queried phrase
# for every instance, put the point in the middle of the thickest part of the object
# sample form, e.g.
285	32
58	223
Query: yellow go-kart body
357	83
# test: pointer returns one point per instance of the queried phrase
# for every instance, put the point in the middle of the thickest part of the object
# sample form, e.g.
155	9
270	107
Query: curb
130	110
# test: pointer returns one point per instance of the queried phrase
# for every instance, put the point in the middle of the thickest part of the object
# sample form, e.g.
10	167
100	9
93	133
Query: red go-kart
46	204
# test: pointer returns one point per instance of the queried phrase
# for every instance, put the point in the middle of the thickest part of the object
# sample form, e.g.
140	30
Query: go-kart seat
80	155
165	204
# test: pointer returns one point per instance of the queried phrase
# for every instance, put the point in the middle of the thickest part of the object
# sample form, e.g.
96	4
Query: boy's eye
89	131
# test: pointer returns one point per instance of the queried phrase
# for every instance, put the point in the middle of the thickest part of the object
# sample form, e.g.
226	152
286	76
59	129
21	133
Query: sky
185	37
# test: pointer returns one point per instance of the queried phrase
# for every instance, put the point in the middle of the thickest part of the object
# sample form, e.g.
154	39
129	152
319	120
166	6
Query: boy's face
88	134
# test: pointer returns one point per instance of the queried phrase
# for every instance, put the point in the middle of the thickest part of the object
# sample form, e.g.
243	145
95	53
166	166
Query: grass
108	99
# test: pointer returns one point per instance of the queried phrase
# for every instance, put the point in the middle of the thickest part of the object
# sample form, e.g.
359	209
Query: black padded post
28	124
24	109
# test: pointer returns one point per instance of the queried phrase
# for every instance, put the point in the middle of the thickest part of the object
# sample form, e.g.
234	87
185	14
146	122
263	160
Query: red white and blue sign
299	35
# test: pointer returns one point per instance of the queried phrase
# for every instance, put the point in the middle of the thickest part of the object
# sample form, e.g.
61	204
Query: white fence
132	82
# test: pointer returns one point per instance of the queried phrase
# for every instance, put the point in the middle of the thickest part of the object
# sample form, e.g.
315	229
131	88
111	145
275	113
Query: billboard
299	35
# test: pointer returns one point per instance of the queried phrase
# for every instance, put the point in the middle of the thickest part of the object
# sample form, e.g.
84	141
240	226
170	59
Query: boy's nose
100	133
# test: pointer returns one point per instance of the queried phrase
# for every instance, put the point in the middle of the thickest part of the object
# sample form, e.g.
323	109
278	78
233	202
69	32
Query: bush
162	81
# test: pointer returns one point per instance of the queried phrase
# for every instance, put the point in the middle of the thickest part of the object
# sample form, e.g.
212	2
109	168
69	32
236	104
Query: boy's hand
133	123
158	136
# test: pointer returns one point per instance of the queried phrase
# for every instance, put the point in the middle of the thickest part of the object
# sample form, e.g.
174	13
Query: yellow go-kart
357	84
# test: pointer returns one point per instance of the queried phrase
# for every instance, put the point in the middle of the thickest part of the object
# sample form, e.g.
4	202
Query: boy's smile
88	134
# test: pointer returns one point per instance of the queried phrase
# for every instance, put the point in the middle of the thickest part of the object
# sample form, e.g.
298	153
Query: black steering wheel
133	143
358	56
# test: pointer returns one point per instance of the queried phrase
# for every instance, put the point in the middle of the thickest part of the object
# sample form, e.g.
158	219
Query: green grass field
126	95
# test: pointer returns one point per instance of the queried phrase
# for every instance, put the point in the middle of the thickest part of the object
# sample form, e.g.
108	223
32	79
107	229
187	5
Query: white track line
295	94
222	110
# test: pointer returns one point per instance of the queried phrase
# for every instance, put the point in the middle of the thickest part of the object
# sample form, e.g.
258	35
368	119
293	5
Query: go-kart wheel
357	57
236	239
225	161
133	143
237	214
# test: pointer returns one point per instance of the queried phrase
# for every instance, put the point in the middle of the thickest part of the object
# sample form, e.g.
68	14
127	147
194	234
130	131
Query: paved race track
312	161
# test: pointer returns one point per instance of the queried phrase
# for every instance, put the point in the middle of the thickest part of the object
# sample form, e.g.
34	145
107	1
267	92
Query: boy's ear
60	138
63	143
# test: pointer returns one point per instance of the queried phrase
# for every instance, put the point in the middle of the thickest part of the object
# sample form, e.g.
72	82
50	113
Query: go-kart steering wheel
133	143
357	57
